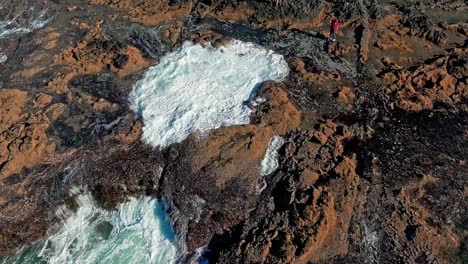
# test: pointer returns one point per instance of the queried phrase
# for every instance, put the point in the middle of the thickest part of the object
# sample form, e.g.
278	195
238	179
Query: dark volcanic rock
374	165
420	25
305	208
120	61
210	184
149	43
101	85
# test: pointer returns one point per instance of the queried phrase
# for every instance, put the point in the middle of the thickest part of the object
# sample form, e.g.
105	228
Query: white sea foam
198	257
198	89
192	89
270	161
137	232
3	57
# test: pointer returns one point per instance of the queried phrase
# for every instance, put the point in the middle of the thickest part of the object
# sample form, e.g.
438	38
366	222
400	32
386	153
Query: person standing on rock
334	26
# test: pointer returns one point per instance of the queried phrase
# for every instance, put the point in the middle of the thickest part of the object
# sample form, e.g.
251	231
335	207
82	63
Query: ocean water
269	162
196	89
193	89
137	232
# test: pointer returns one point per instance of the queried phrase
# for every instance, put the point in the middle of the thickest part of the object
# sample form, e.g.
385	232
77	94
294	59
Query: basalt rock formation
306	207
374	165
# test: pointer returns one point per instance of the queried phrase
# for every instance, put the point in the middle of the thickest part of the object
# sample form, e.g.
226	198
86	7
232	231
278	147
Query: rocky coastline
374	164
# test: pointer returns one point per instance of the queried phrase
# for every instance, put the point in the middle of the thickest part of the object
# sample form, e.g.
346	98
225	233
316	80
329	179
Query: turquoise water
194	89
137	232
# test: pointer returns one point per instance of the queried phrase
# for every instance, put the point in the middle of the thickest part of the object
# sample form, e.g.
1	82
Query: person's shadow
311	34
326	43
326	46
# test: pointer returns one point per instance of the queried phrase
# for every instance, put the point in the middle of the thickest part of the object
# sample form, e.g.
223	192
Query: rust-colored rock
24	144
345	95
147	12
299	68
375	140
93	54
441	80
227	156
310	211
281	119
11	107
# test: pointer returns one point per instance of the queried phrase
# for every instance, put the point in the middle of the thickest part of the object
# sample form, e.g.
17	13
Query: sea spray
198	89
269	162
138	231
192	89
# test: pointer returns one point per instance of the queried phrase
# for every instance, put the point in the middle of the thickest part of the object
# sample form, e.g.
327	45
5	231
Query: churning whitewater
198	89
270	161
137	232
193	89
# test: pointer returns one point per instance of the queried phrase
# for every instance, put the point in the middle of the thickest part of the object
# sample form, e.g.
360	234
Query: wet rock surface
373	169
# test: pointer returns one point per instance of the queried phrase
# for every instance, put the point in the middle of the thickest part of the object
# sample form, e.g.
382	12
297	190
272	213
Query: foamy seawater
137	232
192	89
270	161
198	89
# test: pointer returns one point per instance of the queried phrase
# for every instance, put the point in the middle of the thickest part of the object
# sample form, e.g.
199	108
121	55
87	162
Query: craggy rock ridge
374	165
305	211
224	170
439	80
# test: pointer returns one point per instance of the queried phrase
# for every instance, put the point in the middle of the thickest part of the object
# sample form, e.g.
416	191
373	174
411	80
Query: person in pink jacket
335	25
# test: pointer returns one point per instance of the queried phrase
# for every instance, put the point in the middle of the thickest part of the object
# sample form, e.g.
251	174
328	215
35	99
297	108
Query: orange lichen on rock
42	100
24	144
345	95
293	23
11	107
149	13
390	40
319	200
173	31
364	42
207	36
441	80
132	134
337	208
242	147
134	63
231	14
321	215
93	54
385	22
51	40
23	141
416	223
48	40
54	111
340	50
298	67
